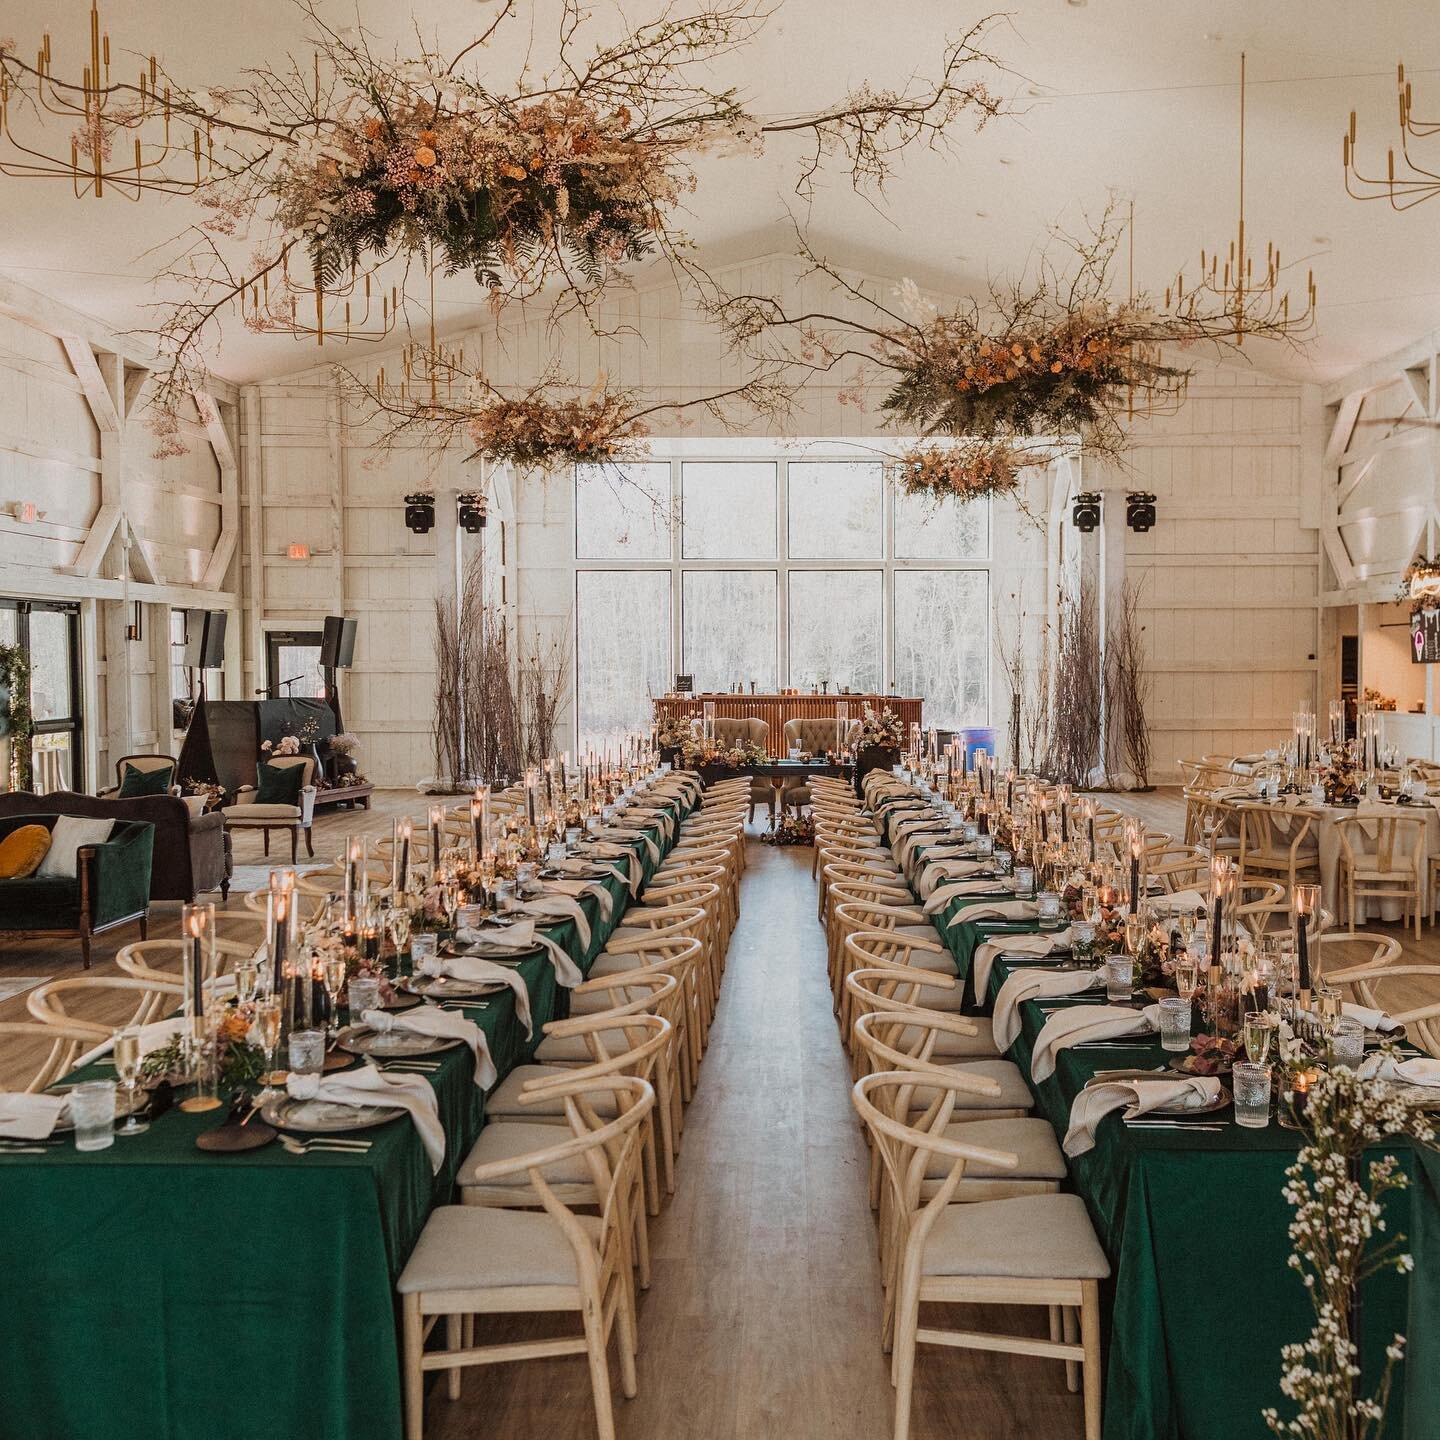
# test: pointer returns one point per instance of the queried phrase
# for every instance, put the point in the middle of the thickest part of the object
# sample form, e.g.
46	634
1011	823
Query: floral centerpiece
703	754
672	734
792	830
285	745
1341	778
884	731
240	1062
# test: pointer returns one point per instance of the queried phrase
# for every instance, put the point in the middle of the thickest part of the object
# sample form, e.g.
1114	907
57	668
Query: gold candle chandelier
1229	292
126	137
359	308
1415	184
424	368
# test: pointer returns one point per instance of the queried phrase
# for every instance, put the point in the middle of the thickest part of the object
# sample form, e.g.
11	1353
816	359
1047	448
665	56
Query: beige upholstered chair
815	735
477	1260
730	730
1029	1250
246	814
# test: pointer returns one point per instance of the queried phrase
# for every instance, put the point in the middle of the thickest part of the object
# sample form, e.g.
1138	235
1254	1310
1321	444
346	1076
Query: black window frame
74	723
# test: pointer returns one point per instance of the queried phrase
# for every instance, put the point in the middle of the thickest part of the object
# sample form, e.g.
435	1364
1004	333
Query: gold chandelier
424	368
126	137
1229	299
1416	184
357	309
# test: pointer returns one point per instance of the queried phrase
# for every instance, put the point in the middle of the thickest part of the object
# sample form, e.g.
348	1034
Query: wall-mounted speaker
337	647
205	639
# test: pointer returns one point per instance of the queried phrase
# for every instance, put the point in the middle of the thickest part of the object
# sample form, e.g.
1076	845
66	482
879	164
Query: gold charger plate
362	1040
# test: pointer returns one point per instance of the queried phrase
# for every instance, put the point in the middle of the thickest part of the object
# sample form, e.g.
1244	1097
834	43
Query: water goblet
92	1108
1250	1085
1347	1042
1119	978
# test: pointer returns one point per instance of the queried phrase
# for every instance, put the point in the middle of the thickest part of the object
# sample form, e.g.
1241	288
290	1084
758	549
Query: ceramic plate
445	987
362	1040
321	1117
1209	1108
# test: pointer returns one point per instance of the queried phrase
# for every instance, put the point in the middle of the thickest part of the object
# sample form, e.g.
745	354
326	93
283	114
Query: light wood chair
1277	845
900	990
65	1042
59	1002
1365	983
1391	867
478	1260
1029	1250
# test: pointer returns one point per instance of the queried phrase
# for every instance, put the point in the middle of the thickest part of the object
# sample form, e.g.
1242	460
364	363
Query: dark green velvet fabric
135	782
120	880
278	784
36	904
156	1290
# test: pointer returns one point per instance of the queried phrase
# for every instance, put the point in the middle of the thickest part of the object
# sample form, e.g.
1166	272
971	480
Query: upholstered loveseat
110	887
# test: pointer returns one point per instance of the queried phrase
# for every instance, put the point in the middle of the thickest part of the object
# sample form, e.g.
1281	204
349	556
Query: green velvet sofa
111	886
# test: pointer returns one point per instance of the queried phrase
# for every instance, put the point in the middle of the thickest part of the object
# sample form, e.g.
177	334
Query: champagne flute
247	981
333	970
1329	1006
127	1068
1187	978
398	923
267	1021
1259	1027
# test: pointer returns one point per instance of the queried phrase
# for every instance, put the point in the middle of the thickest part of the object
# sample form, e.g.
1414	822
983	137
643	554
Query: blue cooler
975	741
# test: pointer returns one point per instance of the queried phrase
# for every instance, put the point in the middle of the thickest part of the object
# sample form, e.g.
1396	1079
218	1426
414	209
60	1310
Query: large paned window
773	566
50	636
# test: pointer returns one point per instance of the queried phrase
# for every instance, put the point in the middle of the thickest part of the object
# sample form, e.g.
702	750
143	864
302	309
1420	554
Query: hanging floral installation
345	158
1048	357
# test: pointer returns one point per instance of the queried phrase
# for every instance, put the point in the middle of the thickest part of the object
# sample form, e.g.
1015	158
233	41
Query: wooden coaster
230	1139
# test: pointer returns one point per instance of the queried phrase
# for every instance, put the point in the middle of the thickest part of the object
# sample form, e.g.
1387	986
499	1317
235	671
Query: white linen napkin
560	907
942	895
479	971
933	872
996	910
159	1033
604	851
617	832
523	935
577	888
1180	900
1079	1023
986	954
1371	1019
369	1086
1033	985
441	1025
1420	1070
29	1117
1135	1097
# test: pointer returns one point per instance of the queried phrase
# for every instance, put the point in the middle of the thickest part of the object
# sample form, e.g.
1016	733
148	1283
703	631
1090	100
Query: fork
342	1147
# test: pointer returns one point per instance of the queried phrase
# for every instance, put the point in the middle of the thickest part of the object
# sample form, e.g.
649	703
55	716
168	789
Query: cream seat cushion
504	1101
470	1247
1014	1092
1031	1141
948	1046
272	813
574	1049
515	1138
1029	1237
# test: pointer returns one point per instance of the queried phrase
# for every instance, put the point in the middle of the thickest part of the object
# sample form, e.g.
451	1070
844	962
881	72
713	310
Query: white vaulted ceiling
1137	97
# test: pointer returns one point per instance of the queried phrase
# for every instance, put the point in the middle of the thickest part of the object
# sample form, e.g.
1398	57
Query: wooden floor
763	1319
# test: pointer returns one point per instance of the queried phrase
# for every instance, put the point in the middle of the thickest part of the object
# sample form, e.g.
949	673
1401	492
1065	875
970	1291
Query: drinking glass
1119	977
1082	940
307	1051
1004	860
247	981
1090	904
333	971
92	1108
1174	1023
1329	1005
1024	881
364	993
1259	1028
1134	933
1347	1042
1250	1083
127	1069
267	1026
1187	978
423	947
984	846
1048	910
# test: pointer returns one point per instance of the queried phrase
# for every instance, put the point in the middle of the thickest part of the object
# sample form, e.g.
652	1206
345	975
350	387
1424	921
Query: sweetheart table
1201	1297
156	1290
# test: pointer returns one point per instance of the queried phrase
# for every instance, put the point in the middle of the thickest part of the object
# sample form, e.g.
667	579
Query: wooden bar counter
775	710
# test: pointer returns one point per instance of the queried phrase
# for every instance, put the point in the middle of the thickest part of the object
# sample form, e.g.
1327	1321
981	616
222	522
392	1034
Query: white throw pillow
69	834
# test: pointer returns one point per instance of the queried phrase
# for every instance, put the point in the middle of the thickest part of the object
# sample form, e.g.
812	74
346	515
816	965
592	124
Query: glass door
49	636
292	665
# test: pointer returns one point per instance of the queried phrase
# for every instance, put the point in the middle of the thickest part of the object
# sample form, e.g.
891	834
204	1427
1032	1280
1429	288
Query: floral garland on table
1338	1213
15	677
710	753
885	731
240	1062
792	830
673	732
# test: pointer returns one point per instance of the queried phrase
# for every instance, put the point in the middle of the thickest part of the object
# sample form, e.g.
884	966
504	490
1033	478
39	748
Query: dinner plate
323	1117
362	1040
1112	1077
446	987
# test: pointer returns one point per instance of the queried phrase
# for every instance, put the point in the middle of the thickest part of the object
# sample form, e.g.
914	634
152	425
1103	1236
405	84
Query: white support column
252	487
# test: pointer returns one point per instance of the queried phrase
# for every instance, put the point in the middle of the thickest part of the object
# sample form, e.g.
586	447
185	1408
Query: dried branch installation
341	158
1028	683
446	730
1127	688
1073	751
543	673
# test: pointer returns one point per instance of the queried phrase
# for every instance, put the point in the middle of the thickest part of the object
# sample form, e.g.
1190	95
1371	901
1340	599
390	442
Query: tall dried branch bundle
1026	670
445	726
543	669
1128	685
1074	739
556	177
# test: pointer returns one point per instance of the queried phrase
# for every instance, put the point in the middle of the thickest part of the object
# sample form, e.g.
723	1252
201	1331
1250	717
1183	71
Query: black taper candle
197	974
1134	882
1302	945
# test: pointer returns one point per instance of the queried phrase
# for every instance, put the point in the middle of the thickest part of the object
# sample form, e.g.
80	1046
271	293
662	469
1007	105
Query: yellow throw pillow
22	850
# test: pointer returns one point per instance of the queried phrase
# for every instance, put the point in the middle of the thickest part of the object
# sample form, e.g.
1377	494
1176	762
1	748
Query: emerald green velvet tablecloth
153	1291
1201	1297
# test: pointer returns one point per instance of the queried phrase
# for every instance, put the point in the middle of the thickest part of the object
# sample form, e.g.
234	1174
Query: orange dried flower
515	172
424	157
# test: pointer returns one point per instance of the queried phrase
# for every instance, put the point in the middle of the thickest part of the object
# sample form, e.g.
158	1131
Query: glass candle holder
1047	905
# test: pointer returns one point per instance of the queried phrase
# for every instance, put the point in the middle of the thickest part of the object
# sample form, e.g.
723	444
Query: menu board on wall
1425	637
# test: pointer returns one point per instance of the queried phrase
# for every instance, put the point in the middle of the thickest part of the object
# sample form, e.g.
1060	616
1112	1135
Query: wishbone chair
67	1043
50	1003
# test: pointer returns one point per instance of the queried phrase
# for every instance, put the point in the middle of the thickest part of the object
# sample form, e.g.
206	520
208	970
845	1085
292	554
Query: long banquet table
775	710
156	1290
1201	1297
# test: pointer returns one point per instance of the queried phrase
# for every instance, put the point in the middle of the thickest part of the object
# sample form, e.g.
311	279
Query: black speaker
205	639
337	648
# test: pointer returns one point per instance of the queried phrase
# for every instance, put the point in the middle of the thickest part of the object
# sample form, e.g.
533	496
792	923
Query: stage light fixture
420	512
470	512
1140	511
1086	512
